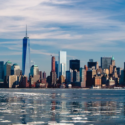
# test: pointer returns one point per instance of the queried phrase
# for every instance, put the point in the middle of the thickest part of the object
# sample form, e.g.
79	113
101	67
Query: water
62	107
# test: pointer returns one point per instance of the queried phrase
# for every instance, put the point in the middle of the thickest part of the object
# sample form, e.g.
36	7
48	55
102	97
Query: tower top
26	30
113	58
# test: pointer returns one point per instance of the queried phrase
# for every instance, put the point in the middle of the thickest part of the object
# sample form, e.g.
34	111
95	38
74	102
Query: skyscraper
92	64
75	64
44	75
34	70
1	70
26	56
53	64
106	62
15	69
62	63
7	70
56	68
53	73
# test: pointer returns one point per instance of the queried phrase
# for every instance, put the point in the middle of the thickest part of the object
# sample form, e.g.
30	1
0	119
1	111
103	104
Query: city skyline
90	29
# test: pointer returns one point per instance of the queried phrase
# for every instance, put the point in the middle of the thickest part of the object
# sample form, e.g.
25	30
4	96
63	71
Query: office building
13	81
106	62
56	68
97	81
76	76
83	77
62	63
1	70
90	78
33	80
62	79
69	76
53	79
53	64
44	75
119	71
92	64
7	71
111	82
15	69
122	78
26	62
63	69
53	73
74	64
34	70
41	75
24	82
113	61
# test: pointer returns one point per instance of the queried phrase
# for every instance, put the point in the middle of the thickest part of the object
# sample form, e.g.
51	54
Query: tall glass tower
26	56
62	63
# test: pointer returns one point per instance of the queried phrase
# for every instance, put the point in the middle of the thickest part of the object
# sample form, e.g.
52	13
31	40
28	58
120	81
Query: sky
86	29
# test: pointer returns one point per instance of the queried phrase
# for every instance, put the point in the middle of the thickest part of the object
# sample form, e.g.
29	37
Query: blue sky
86	29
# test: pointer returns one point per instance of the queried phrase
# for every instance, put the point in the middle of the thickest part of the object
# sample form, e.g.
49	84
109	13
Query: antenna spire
26	30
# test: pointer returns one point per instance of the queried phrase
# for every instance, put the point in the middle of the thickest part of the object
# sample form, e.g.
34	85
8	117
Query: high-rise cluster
91	75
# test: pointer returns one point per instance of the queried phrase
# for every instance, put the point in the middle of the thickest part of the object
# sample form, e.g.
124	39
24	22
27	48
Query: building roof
9	62
34	66
15	64
113	58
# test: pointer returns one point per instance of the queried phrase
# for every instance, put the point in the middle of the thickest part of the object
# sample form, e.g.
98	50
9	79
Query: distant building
41	75
111	69
13	81
53	73
62	79
26	62
111	82
90	78
33	80
44	75
122	78
24	82
106	62
7	71
69	76
53	78
119	71
53	64
97	81
63	71
1	70
113	61
34	70
15	69
104	79
99	71
74	64
93	64
56	68
62	63
83	77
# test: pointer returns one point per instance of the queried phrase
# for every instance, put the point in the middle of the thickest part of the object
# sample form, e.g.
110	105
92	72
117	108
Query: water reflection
66	106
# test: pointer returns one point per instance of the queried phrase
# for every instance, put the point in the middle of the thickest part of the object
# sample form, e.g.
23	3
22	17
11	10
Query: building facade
74	64
83	77
56	68
34	70
1	70
15	69
62	63
44	75
7	71
106	62
53	64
